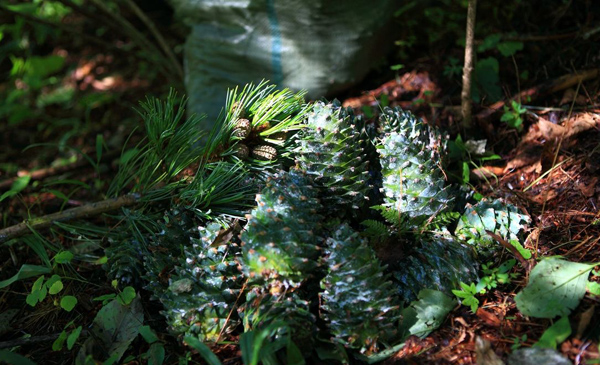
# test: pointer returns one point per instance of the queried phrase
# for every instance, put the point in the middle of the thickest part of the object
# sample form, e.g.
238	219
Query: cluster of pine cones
303	265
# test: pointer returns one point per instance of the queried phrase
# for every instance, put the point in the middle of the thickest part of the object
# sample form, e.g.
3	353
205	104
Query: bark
468	67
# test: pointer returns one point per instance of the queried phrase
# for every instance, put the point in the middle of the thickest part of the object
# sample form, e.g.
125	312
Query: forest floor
550	169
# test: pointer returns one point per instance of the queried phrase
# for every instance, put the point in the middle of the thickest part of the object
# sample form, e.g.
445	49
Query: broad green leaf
510	48
14	358
37	285
57	345
148	334
126	296
68	302
593	287
489	42
114	328
73	337
156	354
203	350
43	291
555	334
425	314
56	287
53	279
33	298
63	257
555	288
17	186
294	356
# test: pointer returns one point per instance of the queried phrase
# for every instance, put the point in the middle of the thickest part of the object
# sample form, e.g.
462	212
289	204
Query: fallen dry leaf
488	318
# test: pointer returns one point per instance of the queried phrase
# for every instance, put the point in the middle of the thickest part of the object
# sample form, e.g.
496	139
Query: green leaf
555	288
148	334
57	345
156	354
73	337
37	285
487	79
203	350
63	257
522	250
17	186
509	48
426	314
126	296
114	328
56	287
14	358
294	356
68	302
593	287
489	42
555	334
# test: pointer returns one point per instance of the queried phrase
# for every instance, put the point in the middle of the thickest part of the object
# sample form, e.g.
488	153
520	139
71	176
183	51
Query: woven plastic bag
321	46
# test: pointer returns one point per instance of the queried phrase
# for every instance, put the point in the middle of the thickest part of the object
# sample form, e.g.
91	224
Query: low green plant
513	115
491	278
53	286
467	295
68	336
496	275
518	342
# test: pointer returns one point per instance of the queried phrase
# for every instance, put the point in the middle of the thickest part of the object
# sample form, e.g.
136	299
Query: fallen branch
85	211
558	84
51	171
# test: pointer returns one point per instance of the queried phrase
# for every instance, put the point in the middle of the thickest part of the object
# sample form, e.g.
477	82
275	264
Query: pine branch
85	211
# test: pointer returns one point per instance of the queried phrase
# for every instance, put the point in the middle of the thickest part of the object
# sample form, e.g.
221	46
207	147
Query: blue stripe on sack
275	43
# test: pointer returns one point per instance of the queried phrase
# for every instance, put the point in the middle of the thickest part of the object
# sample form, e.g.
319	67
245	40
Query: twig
511	248
137	37
51	171
468	67
558	84
85	211
161	41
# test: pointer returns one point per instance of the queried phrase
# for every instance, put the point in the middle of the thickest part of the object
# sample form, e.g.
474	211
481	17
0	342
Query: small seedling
518	342
467	295
512	116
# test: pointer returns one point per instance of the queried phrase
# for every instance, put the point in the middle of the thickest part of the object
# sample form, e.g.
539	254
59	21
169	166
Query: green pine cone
503	219
331	148
280	239
281	313
204	288
164	248
438	262
356	300
410	155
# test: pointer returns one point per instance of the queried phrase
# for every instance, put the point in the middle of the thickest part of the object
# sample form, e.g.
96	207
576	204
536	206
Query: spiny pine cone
410	156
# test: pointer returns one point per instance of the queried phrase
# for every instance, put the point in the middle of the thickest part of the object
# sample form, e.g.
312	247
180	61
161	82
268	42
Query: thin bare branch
468	67
85	211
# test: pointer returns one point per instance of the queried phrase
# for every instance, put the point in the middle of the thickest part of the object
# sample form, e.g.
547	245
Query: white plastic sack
321	46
